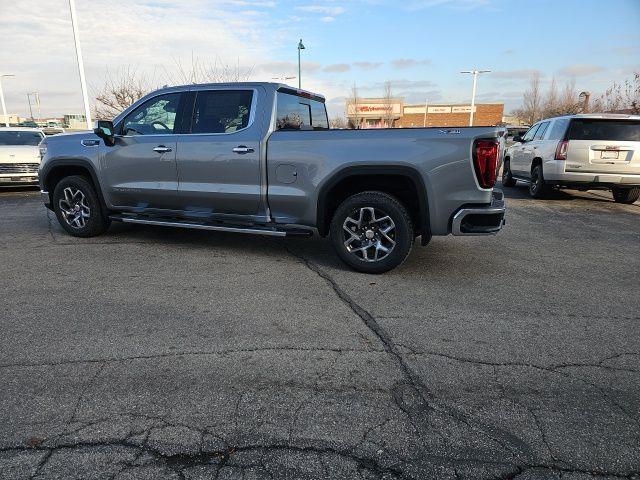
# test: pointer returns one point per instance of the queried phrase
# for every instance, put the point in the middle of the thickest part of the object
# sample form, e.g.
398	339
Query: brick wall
486	114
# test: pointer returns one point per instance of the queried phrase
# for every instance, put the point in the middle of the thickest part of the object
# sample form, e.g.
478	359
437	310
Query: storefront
380	113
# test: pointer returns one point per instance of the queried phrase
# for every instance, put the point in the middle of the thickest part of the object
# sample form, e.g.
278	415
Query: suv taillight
485	162
561	150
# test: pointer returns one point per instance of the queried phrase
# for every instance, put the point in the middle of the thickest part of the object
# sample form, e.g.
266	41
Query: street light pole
4	105
83	82
473	91
300	47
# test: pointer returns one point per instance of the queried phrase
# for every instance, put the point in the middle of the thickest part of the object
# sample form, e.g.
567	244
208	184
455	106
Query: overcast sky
419	45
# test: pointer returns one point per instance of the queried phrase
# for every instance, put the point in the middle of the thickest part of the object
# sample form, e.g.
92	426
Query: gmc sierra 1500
260	158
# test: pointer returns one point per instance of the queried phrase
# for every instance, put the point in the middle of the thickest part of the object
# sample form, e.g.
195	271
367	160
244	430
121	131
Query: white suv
19	155
590	151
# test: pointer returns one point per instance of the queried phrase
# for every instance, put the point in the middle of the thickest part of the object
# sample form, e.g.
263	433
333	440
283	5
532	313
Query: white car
589	151
19	155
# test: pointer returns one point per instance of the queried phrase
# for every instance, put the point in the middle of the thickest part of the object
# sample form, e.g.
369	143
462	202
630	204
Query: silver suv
590	151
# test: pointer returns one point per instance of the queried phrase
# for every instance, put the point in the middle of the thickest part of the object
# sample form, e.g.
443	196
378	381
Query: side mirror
517	139
105	131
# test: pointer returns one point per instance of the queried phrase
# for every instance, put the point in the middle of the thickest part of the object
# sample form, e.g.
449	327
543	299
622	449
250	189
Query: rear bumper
480	219
555	172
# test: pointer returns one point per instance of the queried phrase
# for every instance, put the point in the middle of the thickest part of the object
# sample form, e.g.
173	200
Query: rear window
597	129
18	137
298	113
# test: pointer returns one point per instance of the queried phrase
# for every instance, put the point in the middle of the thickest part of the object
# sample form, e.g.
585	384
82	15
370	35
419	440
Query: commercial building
381	112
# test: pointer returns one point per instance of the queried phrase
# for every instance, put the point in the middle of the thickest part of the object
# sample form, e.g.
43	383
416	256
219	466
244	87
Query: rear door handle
242	149
162	149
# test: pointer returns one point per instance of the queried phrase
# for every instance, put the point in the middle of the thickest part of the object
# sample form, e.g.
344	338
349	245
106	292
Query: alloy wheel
369	234
74	208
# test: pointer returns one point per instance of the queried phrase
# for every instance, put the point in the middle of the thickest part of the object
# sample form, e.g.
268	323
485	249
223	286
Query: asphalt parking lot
160	353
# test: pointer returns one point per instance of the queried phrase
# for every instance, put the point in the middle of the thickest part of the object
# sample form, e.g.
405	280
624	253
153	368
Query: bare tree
388	105
623	96
201	71
531	110
338	122
352	104
121	89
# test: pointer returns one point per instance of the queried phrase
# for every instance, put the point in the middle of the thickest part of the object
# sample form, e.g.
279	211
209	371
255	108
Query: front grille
8	168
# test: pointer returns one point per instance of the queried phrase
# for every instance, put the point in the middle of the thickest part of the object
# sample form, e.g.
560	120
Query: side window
541	130
156	116
530	134
319	118
221	111
292	114
558	129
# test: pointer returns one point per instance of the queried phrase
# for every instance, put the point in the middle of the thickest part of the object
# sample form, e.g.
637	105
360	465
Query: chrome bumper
480	220
46	199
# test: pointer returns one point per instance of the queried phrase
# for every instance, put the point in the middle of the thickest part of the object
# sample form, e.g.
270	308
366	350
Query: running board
199	226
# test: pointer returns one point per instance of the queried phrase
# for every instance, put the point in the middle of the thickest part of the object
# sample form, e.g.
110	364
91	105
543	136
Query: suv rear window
597	129
300	113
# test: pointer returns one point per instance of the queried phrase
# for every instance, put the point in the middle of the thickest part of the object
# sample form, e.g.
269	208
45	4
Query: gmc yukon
260	158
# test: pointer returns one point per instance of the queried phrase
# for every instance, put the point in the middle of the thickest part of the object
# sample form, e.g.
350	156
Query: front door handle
162	149
243	149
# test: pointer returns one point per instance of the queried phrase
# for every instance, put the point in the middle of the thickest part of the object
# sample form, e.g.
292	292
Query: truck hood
19	154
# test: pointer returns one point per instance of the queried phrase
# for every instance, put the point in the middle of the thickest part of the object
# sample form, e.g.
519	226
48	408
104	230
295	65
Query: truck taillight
485	162
561	150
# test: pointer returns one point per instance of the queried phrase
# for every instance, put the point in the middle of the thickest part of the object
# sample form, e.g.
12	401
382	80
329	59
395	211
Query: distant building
75	121
373	113
10	118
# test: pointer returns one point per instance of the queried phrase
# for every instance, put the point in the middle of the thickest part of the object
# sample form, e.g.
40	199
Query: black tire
625	195
507	177
389	228
537	186
77	195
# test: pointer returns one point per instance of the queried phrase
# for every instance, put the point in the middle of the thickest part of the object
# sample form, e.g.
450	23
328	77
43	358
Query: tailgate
603	146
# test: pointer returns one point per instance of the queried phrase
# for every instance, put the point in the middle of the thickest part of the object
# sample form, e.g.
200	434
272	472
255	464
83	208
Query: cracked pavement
161	353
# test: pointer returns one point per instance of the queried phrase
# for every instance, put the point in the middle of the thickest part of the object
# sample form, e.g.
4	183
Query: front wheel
78	208
625	195
507	177
372	232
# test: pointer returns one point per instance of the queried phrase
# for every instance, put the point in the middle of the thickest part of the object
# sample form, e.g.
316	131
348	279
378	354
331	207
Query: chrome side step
199	226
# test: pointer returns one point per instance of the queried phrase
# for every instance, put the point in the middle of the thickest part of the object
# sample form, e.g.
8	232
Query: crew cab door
219	153
521	152
140	169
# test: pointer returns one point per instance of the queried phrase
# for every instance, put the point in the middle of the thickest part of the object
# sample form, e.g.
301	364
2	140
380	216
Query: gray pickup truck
260	158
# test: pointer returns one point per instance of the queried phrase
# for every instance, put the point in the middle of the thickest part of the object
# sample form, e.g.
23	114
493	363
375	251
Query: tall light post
300	47
4	105
475	74
83	82
30	110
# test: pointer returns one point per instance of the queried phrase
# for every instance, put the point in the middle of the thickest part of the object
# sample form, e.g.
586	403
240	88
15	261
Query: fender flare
74	162
410	173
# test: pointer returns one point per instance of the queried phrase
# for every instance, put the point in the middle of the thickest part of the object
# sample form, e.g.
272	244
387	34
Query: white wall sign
439	110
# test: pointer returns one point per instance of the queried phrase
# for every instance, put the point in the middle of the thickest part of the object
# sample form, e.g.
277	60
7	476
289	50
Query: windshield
20	138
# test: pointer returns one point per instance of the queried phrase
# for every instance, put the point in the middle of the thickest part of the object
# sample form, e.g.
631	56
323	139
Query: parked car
590	151
259	158
19	155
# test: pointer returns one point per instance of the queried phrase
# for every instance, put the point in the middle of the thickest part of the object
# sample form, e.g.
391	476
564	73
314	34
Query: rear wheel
78	208
537	187
507	177
625	195
372	232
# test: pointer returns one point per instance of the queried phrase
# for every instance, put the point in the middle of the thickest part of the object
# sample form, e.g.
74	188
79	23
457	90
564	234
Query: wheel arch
57	169
350	180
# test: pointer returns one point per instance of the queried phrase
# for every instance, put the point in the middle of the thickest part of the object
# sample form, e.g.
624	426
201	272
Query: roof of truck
271	85
609	116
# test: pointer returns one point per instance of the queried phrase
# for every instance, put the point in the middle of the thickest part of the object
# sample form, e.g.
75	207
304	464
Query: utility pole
426	107
83	82
475	74
30	111
4	105
300	47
